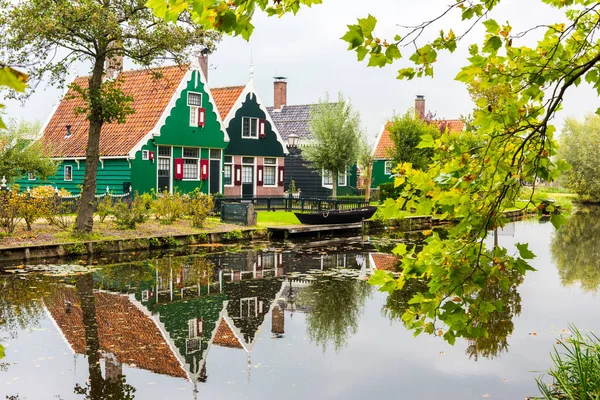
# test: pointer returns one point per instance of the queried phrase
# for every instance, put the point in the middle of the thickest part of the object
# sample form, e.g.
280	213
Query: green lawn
276	218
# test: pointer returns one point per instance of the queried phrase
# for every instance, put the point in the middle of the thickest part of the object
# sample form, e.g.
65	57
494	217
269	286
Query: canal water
292	322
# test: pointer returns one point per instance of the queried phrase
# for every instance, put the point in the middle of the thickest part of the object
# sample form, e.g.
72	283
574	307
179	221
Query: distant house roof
292	119
225	98
384	143
123	330
384	261
152	90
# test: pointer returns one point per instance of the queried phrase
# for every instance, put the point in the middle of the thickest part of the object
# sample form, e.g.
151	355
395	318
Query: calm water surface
267	324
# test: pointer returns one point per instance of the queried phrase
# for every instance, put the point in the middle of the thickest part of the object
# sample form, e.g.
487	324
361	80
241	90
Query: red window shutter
280	173
204	169
262	128
259	175
238	175
201	116
179	168
151	155
200	322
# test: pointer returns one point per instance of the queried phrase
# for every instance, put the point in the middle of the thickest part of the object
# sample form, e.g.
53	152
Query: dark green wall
379	176
116	171
268	146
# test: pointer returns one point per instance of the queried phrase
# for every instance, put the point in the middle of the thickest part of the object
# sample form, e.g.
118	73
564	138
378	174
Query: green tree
335	127
20	155
366	159
579	146
406	132
48	36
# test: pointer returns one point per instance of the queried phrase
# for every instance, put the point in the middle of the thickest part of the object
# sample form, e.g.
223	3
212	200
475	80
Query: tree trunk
369	169
335	183
85	290
85	215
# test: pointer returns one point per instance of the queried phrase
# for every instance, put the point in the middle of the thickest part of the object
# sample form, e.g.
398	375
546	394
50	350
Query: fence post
302	205
268	204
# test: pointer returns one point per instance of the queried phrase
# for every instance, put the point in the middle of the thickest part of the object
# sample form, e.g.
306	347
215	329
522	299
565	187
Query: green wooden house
255	157
175	138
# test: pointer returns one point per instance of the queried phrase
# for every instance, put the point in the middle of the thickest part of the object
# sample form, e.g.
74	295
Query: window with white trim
342	178
270	172
249	307
327	178
249	128
31	176
388	167
68	174
191	165
145	155
194	101
228	171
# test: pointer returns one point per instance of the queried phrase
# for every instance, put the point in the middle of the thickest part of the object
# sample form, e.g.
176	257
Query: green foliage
2	353
10	209
235	234
168	207
335	127
75	248
128	216
105	207
20	154
12	80
575	372
389	191
366	158
199	206
408	133
579	146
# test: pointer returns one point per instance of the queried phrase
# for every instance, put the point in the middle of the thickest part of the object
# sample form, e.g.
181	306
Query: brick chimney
280	95
420	106
203	61
113	64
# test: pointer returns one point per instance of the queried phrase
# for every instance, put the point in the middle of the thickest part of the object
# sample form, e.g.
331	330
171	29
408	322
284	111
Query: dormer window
68	133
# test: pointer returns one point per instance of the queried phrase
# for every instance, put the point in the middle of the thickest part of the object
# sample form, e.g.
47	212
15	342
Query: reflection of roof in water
383	261
123	330
225	336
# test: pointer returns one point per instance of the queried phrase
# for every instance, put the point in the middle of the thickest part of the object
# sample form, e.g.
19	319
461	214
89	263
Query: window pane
228	159
68	173
190	169
215	154
164	166
227	174
254	127
342	179
247	174
269	178
164	151
245	127
247	160
271	161
327	178
195	99
193	116
388	167
191	152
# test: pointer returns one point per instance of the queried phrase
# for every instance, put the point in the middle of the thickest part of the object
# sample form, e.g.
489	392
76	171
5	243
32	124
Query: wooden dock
312	230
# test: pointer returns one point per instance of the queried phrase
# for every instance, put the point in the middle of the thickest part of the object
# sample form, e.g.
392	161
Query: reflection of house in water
383	261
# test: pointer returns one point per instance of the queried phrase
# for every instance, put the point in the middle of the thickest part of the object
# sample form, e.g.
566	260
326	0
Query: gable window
270	166
145	155
249	307
31	176
68	176
249	128
190	163
228	171
194	101
388	167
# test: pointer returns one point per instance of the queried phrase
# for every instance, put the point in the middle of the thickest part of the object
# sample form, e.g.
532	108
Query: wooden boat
330	217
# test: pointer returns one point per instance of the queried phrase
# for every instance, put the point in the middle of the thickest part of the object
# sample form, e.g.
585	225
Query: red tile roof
385	143
225	336
385	262
151	95
225	98
123	330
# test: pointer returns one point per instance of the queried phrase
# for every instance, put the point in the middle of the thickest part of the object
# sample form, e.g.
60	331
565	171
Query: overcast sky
307	50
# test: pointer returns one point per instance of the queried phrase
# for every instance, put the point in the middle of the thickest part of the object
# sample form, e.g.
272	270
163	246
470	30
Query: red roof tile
225	98
225	336
385	143
151	95
385	262
123	330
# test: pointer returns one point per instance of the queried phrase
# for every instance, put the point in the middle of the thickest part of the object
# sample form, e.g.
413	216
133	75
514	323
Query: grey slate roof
292	119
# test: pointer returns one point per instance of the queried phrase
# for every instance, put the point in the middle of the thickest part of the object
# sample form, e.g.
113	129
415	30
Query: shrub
127	217
105	207
389	191
9	210
59	208
168	207
198	207
33	207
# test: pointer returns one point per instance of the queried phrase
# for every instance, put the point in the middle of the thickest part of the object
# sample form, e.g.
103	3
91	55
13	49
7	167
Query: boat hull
336	216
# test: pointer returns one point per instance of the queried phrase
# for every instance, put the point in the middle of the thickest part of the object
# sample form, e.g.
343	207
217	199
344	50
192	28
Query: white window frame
145	155
345	175
30	176
145	295
193	345
197	159
388	167
274	166
230	165
257	127
65	173
194	109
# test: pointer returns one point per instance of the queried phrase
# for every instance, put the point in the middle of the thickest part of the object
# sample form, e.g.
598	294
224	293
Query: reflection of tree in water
21	303
576	249
97	387
336	305
498	324
397	301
